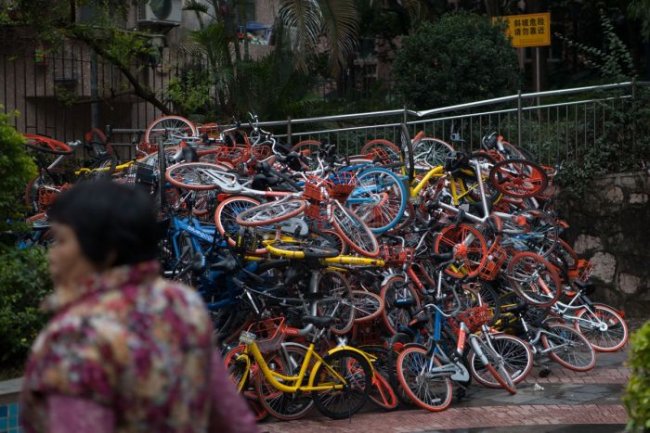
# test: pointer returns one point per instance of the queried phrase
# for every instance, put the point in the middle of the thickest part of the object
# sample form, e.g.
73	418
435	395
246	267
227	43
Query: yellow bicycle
290	377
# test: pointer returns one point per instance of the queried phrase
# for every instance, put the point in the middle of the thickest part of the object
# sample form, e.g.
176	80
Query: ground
560	403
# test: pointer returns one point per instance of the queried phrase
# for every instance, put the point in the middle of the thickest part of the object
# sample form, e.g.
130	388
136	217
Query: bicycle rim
591	324
355	232
569	348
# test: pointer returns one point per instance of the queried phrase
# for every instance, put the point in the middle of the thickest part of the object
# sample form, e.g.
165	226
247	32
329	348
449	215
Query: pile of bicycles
399	275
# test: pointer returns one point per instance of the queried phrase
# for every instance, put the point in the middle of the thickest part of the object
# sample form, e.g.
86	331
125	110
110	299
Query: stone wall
610	225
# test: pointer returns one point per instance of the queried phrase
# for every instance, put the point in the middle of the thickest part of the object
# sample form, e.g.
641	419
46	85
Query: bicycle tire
225	218
42	143
517	356
283	405
534	279
367	306
387	147
190	175
379	199
431	152
401	302
357	372
382	393
518	178
411	363
271	212
581	356
179	126
603	340
354	231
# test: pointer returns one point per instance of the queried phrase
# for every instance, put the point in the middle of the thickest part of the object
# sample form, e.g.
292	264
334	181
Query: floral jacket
130	341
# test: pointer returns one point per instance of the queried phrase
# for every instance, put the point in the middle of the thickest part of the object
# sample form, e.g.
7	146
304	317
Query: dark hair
109	218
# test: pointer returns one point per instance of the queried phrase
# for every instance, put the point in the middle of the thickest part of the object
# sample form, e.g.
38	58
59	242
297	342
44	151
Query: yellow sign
530	30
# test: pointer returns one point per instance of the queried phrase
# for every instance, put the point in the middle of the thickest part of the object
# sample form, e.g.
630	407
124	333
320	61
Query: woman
126	351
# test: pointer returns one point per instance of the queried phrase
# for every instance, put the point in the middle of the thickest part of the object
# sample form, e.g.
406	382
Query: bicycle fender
243	357
370	358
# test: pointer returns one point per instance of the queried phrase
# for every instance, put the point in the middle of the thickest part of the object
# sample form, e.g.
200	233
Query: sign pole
538	79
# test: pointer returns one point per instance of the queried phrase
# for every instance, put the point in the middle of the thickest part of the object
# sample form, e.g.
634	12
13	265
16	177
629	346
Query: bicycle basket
314	189
341	185
474	318
269	334
496	257
144	173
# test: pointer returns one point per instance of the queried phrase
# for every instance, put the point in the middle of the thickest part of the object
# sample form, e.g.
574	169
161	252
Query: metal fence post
519	111
289	131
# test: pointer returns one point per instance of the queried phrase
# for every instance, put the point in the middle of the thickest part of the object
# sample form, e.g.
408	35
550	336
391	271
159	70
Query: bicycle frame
276	379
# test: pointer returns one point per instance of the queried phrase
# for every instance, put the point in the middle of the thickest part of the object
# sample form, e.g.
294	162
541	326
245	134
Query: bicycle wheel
384	150
336	301
367	306
384	365
283	405
308	150
603	327
225	218
197	176
534	279
169	131
568	348
426	388
517	359
356	372
379	199
431	152
518	178
45	144
401	302
237	371
271	212
354	231
468	247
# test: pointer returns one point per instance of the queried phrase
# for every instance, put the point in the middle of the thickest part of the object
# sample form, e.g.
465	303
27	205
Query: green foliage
462	57
17	168
190	92
640	9
637	394
24	282
613	61
624	144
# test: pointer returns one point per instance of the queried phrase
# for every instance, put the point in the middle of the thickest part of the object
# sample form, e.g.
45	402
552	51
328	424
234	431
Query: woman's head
101	225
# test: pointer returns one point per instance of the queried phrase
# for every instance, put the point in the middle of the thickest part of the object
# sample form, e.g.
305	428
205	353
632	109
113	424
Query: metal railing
552	125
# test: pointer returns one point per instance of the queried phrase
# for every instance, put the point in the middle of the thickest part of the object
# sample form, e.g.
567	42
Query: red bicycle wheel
468	247
225	217
427	390
534	279
271	212
195	175
518	178
45	144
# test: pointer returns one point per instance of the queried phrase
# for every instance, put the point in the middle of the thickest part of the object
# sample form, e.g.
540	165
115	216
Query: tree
53	21
336	20
462	57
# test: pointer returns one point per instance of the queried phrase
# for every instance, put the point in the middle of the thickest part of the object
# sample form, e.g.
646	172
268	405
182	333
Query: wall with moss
610	225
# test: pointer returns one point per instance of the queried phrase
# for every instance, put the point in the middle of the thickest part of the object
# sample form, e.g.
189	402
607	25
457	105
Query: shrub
637	394
462	57
24	281
16	167
24	278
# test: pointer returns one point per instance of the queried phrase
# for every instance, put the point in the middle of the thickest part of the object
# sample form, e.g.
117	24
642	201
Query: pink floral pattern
130	341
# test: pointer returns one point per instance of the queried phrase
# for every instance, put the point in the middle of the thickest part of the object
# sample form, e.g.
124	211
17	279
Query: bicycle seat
318	321
227	264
